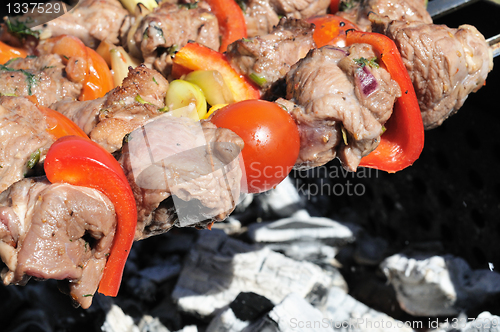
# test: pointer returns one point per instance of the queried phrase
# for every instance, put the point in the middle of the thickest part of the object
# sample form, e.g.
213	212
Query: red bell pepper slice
330	30
231	21
82	162
403	141
8	52
59	124
194	56
100	79
95	74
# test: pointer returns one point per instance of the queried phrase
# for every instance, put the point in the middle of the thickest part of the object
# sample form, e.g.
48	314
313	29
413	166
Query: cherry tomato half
271	139
330	30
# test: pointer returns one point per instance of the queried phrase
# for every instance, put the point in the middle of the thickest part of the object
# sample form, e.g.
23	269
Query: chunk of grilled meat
444	64
339	104
262	16
108	119
269	57
169	27
43	76
91	21
23	139
56	231
399	10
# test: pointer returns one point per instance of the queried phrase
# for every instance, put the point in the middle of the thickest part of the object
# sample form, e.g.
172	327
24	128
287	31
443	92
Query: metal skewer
438	8
494	43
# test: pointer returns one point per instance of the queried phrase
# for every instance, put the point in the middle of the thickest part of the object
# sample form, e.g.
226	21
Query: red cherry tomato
330	30
271	139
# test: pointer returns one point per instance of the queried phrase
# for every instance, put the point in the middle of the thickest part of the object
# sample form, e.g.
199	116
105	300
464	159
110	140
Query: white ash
438	285
151	324
282	201
226	321
293	314
118	321
189	328
218	268
312	251
301	225
344	313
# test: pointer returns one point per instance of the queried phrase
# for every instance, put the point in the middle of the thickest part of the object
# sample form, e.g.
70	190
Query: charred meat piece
400	10
266	59
262	16
91	20
342	100
56	231
24	140
171	26
108	119
43	76
182	172
444	64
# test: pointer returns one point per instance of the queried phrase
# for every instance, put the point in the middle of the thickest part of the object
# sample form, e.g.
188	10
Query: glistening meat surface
337	115
108	119
399	10
22	135
169	27
262	16
56	231
91	21
43	76
270	57
444	64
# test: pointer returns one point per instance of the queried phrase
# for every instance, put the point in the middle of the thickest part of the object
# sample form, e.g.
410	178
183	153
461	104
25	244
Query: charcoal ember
301	225
218	268
142	288
344	313
293	314
163	270
12	299
173	242
248	306
281	201
166	310
370	250
32	320
433	286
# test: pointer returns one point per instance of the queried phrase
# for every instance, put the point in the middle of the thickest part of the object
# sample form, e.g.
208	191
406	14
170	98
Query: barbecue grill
447	202
451	193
